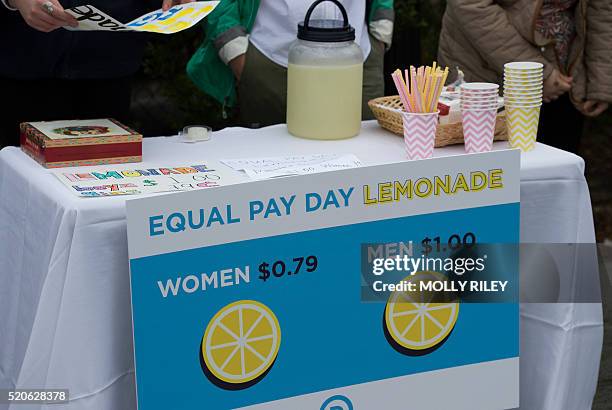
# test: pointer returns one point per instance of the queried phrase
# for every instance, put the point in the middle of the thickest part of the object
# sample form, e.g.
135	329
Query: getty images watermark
425	275
482	272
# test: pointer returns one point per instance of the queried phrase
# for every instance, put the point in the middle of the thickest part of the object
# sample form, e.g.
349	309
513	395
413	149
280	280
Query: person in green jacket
243	58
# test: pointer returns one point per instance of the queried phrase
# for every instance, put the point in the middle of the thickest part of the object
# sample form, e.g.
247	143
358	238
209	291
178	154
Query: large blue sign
269	313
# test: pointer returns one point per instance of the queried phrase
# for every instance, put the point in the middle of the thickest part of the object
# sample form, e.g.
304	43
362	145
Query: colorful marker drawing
175	19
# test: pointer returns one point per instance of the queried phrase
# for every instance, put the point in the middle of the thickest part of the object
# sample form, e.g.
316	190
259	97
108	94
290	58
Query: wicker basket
387	111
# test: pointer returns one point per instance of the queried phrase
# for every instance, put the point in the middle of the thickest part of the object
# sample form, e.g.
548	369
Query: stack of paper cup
479	113
523	85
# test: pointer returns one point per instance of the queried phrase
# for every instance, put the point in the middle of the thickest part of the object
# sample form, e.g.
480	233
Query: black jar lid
326	30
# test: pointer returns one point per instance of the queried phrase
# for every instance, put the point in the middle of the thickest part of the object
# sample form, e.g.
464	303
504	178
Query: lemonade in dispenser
325	78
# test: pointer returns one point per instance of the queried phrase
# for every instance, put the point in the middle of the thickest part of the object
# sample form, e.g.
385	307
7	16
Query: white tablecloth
64	287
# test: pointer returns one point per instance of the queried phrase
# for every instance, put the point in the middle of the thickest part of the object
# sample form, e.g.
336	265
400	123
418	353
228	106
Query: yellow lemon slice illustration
414	326
241	343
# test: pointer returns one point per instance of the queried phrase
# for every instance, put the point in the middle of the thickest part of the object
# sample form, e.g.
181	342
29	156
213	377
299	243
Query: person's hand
166	4
237	65
556	85
44	15
593	108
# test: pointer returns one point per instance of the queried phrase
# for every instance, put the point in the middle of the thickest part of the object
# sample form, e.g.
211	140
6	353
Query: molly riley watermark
463	273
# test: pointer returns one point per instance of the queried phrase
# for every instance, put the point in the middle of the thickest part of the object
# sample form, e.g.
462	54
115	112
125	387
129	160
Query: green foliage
407	15
423	17
166	99
432	12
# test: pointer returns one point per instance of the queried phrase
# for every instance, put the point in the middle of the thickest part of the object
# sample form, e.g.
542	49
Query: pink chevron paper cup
479	88
479	129
420	134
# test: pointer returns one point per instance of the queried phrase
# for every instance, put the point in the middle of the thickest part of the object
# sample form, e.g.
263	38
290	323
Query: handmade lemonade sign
175	19
110	181
250	296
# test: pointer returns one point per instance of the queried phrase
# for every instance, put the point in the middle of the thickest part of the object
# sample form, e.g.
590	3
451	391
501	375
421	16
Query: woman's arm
8	5
381	20
223	26
598	51
486	25
43	15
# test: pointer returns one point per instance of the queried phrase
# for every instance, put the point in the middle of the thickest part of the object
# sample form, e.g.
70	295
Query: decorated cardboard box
57	144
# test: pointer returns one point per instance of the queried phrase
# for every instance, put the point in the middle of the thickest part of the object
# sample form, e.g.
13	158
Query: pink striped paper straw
415	91
401	89
437	92
406	92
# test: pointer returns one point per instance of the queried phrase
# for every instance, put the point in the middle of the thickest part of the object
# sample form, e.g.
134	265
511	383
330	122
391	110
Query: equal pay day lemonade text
282	207
317	202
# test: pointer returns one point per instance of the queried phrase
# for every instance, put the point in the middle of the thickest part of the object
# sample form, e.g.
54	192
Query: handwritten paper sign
147	179
272	167
177	18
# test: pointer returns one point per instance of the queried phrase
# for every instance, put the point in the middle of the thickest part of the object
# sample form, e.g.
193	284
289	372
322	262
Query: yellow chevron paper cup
535	84
522	127
522	77
521	102
523	66
523	93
